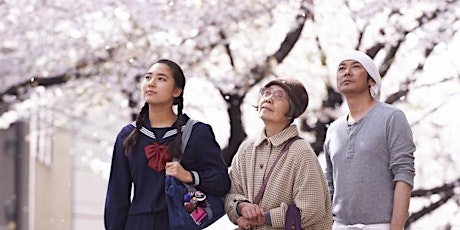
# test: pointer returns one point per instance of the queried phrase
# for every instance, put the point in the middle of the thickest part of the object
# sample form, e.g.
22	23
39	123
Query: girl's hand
176	170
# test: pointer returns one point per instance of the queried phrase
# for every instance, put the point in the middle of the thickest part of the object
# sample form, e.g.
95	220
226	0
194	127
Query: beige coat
297	178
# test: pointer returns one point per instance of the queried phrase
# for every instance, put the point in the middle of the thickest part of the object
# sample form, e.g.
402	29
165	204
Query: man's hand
400	205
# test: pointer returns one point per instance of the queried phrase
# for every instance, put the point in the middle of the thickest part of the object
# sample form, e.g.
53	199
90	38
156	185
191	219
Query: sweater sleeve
402	148
119	189
329	170
236	193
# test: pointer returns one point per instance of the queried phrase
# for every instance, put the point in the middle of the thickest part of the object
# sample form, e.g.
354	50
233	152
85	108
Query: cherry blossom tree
86	57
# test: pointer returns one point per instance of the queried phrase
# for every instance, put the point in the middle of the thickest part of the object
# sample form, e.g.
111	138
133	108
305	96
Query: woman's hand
176	170
252	214
250	211
244	223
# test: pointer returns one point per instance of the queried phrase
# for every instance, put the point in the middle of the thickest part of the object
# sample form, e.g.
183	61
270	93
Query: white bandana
370	67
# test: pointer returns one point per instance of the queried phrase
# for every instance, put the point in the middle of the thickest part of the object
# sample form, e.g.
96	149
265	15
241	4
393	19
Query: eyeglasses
276	94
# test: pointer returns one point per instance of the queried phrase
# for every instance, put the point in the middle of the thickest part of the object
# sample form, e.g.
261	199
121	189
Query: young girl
140	162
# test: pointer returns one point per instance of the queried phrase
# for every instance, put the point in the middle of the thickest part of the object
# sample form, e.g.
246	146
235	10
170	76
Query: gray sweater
364	161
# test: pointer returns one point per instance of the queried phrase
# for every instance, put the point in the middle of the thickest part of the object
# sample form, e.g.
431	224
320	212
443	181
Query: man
369	153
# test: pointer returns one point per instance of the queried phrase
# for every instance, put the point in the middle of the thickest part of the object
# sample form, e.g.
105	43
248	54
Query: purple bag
293	218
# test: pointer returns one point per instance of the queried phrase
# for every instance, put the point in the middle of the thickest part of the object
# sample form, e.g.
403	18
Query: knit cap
297	93
370	67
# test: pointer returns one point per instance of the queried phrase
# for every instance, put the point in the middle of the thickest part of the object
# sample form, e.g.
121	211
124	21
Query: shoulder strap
187	131
286	146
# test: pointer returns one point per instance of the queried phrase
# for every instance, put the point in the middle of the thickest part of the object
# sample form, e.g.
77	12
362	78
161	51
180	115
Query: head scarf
370	67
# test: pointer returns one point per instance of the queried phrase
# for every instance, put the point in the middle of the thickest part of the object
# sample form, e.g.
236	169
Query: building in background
52	174
13	178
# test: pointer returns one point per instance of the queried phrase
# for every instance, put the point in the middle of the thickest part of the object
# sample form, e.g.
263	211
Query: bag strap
286	146
187	132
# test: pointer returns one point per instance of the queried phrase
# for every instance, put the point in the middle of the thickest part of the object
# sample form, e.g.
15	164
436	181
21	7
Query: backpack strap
186	132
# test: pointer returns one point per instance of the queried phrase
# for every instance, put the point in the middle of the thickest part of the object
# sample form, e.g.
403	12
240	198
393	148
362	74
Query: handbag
206	213
188	208
293	216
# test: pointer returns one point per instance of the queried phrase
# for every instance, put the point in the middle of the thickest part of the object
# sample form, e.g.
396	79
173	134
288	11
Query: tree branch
223	36
444	188
392	50
293	36
72	73
286	46
257	73
22	87
415	216
404	87
446	192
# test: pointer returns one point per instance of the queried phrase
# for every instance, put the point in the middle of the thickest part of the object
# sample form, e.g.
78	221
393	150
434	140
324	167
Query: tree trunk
237	134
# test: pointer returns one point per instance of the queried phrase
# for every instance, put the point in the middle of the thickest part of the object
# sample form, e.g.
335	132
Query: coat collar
278	138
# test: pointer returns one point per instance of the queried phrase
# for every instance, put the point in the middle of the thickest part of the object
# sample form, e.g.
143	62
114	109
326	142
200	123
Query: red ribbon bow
157	156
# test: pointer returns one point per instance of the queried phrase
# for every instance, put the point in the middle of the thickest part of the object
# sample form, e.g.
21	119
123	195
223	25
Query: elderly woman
293	175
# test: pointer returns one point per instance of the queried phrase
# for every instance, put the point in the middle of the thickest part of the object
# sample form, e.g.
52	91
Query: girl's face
273	104
158	85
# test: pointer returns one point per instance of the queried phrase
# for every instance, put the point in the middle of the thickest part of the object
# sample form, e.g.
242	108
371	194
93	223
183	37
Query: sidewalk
222	224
